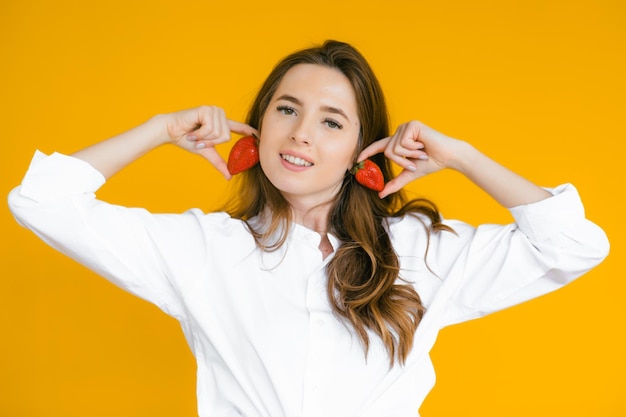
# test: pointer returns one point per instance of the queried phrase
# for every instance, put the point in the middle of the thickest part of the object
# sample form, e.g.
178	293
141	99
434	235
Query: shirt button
321	322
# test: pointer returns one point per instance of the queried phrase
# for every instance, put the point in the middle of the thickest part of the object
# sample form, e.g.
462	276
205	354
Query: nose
301	133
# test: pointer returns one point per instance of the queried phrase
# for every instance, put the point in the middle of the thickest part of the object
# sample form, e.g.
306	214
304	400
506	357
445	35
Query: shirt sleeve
492	267
138	251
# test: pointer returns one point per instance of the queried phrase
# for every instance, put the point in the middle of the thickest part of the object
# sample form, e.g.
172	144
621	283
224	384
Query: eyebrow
329	109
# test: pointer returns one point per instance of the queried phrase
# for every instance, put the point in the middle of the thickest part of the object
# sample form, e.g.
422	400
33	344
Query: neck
311	210
314	218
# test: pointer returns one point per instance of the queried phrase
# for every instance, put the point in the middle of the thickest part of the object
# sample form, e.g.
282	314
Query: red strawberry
369	175
244	155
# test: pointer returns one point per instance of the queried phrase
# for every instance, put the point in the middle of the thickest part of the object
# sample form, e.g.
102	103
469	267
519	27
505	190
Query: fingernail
200	145
423	157
191	137
411	168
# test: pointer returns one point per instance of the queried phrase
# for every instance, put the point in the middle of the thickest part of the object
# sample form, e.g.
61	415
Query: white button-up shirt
260	324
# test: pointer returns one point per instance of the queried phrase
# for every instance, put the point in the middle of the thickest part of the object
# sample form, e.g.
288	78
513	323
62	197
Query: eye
333	124
286	110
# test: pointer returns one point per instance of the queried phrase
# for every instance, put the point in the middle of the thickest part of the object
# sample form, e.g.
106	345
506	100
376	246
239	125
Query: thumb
211	155
397	183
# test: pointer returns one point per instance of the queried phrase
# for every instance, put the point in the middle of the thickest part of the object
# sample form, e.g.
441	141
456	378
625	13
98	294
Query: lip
292	167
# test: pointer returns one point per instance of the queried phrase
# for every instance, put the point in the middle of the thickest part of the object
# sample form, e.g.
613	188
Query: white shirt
260	324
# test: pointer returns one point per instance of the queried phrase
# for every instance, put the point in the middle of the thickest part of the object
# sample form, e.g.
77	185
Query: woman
313	296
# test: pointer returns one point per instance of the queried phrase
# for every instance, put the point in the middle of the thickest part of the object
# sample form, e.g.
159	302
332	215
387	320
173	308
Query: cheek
267	136
348	154
263	152
348	161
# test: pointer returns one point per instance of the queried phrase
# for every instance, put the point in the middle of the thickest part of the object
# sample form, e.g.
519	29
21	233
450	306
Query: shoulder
215	220
414	225
217	224
198	238
414	233
409	231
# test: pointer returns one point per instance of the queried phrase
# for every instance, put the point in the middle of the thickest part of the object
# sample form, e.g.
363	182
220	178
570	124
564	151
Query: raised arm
421	150
142	252
197	130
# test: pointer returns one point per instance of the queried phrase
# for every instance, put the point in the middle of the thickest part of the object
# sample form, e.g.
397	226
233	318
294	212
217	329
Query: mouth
294	160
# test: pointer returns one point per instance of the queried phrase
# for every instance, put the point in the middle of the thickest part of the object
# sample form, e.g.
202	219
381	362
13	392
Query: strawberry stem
357	167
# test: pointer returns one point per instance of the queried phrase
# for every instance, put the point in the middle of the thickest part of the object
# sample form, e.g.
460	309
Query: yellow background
538	85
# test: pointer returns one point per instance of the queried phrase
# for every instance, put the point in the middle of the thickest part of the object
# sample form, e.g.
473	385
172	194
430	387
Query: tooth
296	161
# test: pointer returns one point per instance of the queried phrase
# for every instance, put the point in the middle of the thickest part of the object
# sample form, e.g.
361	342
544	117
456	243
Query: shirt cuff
544	219
57	175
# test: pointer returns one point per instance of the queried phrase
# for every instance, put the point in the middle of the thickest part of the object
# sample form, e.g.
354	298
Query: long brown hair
364	287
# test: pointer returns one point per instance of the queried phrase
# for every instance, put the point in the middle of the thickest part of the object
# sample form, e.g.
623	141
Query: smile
296	161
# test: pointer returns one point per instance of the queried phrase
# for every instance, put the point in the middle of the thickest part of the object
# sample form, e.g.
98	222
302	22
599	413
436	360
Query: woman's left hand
418	149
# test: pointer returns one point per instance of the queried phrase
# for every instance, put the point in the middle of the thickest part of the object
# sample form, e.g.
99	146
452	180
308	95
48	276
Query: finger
218	125
241	128
405	152
205	127
401	160
222	132
397	183
373	149
214	130
211	155
409	143
222	129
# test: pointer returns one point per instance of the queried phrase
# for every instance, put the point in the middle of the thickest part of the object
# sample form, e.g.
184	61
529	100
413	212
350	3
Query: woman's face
309	134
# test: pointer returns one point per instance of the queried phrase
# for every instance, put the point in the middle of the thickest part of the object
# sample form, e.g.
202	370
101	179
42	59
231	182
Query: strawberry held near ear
243	155
369	175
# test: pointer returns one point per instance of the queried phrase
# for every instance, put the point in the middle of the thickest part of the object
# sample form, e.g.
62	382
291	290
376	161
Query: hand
200	129
418	149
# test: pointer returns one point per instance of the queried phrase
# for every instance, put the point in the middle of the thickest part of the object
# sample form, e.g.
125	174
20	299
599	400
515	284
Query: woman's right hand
196	130
200	129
